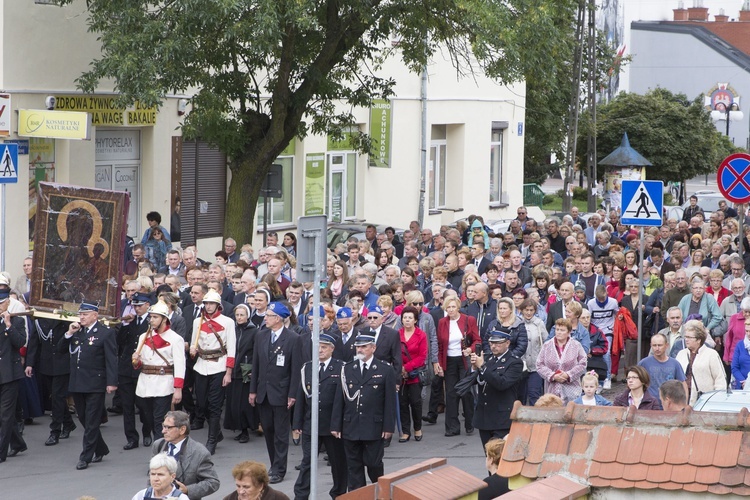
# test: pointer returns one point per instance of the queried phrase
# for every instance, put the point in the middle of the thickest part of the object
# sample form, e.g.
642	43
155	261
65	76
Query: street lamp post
728	113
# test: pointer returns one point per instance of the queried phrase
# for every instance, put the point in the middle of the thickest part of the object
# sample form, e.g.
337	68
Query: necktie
364	370
172	449
274	338
374	334
322	370
345	337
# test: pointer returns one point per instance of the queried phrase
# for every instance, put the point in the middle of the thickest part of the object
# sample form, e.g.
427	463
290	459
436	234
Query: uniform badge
375	386
92	339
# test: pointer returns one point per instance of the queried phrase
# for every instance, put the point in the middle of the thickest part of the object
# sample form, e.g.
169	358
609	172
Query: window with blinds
203	172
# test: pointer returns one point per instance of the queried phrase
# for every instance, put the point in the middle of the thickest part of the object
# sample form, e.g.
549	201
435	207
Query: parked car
707	200
723	401
340	232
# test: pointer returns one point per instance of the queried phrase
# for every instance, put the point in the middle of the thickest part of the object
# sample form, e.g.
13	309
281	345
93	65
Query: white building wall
45	49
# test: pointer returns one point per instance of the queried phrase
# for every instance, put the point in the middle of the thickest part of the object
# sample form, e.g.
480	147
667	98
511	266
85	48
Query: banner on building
5	114
315	183
54	124
78	246
380	133
105	111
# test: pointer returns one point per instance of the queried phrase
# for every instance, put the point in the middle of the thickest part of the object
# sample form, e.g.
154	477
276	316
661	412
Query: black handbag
423	374
464	386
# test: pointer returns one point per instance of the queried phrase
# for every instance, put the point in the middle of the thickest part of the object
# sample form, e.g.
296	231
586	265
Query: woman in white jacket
703	368
533	385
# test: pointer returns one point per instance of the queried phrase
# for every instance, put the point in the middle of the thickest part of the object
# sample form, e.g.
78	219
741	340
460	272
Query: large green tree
266	71
674	133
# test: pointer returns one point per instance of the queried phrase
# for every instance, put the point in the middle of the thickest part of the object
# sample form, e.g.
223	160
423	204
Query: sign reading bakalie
54	124
315	183
104	110
380	133
721	97
78	245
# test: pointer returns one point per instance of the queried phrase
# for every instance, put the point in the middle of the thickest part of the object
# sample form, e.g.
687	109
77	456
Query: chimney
697	14
745	11
680	13
721	17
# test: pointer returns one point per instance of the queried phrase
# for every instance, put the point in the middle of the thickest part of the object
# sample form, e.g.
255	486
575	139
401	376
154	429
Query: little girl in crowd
590	383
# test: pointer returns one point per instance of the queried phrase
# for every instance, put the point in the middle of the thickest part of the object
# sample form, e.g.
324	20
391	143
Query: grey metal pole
2	230
315	374
423	153
640	298
740	217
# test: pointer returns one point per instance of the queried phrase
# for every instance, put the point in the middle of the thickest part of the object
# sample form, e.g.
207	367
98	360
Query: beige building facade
475	139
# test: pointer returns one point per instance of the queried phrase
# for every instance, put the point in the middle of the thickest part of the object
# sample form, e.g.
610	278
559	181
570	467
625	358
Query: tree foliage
674	133
262	72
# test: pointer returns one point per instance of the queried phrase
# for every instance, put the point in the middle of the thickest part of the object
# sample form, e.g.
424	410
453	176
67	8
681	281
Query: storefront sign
345	144
118	145
104	110
380	133
315	183
53	124
5	112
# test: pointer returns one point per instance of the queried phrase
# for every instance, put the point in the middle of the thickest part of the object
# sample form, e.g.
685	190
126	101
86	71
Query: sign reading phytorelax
54	124
104	110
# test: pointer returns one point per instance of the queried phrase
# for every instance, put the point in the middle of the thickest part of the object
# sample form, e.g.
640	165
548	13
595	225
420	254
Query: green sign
345	144
380	133
315	183
290	148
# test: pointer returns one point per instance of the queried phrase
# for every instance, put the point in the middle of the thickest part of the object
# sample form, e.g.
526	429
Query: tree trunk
242	199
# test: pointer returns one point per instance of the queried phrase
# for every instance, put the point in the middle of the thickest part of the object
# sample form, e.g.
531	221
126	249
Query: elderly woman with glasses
700	302
702	366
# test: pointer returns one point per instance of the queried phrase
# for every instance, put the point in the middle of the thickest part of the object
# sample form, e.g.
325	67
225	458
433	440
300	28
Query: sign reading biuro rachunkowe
104	110
380	133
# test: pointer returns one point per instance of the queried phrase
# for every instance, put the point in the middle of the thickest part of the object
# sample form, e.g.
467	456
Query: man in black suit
387	341
330	401
53	371
273	385
367	417
345	350
498	381
192	310
657	260
174	266
127	376
12	339
93	372
557	310
478	258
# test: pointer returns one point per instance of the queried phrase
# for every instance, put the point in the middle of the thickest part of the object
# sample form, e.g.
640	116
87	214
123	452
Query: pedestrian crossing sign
643	202
8	163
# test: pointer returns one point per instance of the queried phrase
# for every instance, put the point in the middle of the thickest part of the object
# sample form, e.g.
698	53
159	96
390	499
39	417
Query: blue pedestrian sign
733	178
8	163
643	202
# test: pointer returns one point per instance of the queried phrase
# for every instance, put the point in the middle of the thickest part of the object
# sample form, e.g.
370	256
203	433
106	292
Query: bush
668	199
560	193
581	194
548	199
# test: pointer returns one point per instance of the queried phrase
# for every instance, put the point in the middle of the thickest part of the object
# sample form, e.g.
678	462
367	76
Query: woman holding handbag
413	358
458	337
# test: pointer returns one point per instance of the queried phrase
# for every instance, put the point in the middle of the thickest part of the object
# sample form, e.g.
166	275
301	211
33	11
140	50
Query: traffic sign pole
733	180
640	300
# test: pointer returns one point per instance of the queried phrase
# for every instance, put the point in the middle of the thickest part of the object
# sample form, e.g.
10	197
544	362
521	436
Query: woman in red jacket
457	336
413	358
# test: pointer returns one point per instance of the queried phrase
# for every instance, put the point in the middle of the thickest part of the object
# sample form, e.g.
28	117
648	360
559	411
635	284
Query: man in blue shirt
660	366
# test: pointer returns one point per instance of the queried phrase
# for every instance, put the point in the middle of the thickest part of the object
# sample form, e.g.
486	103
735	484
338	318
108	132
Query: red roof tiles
614	447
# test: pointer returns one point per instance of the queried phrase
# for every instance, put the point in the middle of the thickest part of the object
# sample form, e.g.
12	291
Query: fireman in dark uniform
368	415
499	377
331	398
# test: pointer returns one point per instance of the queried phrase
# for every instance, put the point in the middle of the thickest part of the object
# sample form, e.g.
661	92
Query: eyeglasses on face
417	303
169	427
373	317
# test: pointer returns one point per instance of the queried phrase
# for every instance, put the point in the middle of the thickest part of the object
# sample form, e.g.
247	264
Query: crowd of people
463	319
